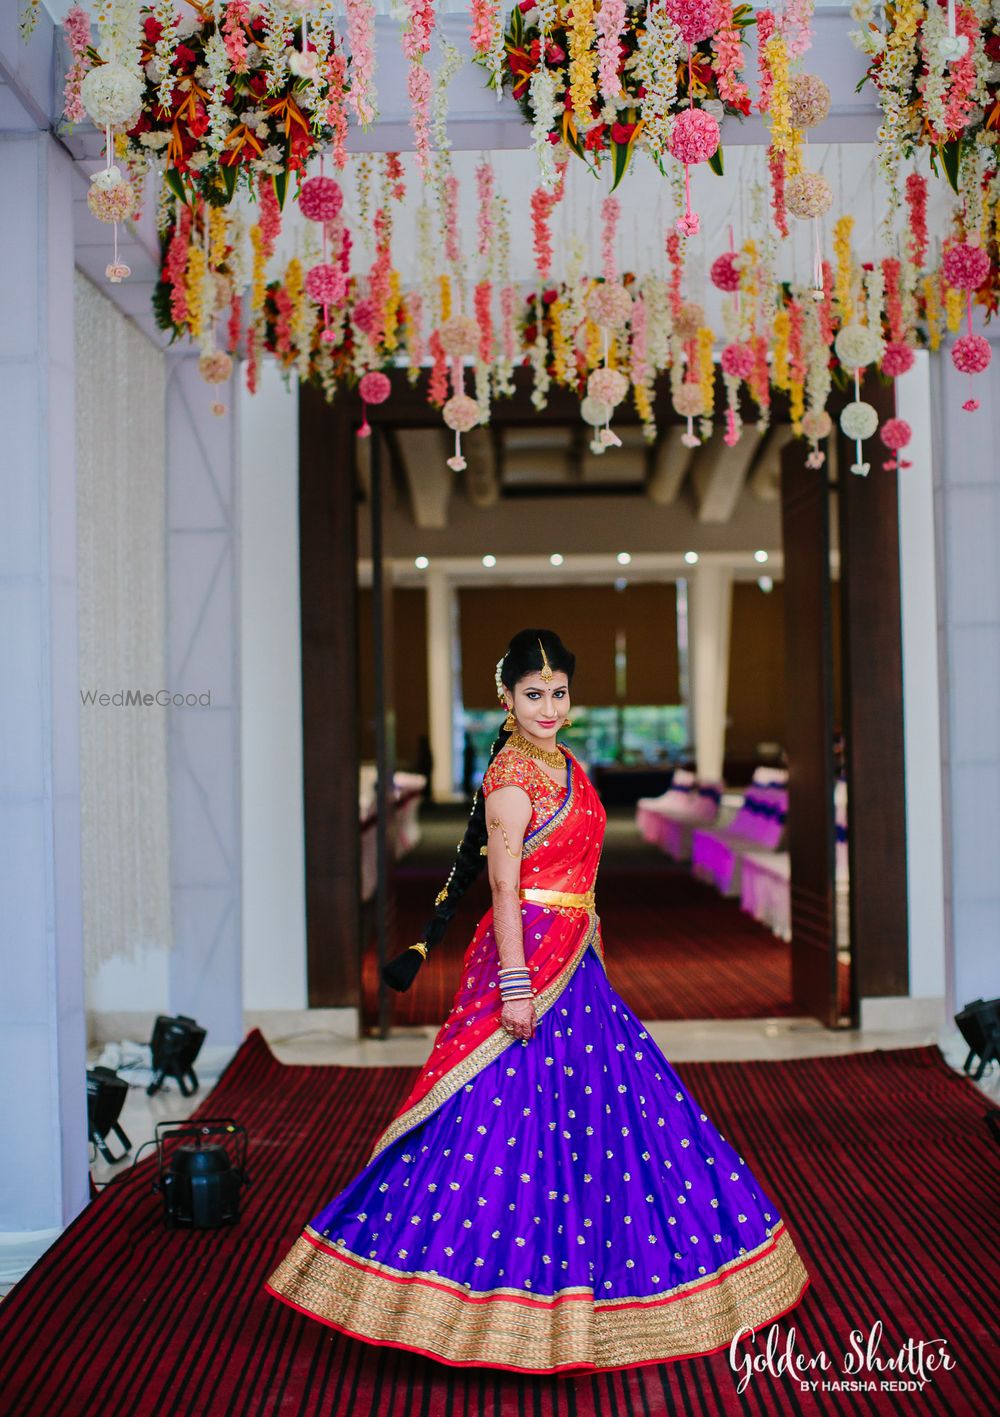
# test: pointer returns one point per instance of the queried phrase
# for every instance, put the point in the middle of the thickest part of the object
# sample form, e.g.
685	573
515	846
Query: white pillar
274	905
710	605
442	674
967	507
43	1105
203	740
921	710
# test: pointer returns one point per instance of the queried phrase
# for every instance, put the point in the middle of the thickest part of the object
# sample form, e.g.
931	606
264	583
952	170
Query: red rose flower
152	29
992	47
183	55
198	122
622	132
554	53
549	296
258	85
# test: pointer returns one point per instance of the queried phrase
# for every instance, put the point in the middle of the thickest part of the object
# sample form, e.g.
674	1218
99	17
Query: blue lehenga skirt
570	1207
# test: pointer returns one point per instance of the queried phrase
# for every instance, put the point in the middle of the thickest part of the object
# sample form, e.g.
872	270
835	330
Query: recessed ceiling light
691	557
556	558
760	556
421	563
766	584
489	560
624	557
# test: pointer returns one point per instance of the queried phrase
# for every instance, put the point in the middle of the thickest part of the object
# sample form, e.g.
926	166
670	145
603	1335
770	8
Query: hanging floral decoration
599	88
934	68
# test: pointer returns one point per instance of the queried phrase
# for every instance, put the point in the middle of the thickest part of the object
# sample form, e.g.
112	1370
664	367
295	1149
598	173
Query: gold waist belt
571	900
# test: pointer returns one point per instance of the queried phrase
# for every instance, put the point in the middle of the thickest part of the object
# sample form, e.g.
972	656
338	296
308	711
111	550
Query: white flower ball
111	93
858	420
594	412
106	177
857	345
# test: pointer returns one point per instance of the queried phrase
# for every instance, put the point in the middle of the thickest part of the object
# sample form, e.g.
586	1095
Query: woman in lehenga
550	1198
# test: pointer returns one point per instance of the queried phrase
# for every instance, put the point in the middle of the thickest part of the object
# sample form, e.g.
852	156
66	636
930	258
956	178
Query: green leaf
620	154
175	182
229	175
716	161
951	154
281	186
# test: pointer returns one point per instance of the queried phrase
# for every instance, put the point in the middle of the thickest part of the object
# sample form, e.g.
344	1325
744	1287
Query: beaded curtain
120	451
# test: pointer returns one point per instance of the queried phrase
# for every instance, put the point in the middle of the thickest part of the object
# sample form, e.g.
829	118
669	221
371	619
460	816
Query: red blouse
512	769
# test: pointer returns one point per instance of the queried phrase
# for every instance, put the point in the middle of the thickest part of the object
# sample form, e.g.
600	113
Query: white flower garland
658	56
544	111
451	62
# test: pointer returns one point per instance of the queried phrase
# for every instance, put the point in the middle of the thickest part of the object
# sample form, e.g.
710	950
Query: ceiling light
421	563
624	557
556	558
766	584
760	556
489	560
620	583
691	557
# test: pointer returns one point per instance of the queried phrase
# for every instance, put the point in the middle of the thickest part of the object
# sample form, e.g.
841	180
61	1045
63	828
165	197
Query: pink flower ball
696	19
688	401
459	336
737	361
809	99
112	204
320	199
971	354
808	195
896	433
365	316
688	320
725	272
694	136
897	359
816	423
215	366
609	305
608	386
965	266
461	413
375	386
326	284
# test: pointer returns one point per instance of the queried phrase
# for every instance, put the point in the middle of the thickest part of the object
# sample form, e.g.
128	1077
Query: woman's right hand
518	1018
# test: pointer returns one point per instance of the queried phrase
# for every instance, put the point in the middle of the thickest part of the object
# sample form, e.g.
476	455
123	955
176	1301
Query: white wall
274	930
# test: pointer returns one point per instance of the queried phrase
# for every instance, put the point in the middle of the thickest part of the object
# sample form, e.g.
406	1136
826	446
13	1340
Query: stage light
624	557
760	556
199	1178
691	557
106	1094
766	584
175	1044
979	1025
421	563
489	560
556	558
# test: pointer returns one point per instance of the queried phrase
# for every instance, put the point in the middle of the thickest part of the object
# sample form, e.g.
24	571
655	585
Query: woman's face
540	707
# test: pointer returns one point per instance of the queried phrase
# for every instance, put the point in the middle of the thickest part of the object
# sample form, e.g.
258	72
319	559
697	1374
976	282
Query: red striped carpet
675	948
879	1162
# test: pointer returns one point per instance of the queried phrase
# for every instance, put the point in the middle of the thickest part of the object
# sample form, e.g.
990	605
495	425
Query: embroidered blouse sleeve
509	770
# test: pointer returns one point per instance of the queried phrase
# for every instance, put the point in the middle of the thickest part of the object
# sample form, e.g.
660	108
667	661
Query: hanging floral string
361	37
76	28
610	24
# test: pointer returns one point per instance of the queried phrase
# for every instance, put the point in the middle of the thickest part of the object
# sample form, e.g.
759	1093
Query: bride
549	1197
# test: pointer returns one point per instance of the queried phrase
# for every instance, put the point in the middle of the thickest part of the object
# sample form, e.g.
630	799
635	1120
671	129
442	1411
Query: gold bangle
420	947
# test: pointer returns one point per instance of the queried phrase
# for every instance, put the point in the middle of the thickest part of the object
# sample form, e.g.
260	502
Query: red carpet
879	1161
675	948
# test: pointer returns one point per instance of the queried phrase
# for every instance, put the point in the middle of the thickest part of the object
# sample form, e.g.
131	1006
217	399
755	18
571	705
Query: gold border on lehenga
540	834
488	1050
520	1329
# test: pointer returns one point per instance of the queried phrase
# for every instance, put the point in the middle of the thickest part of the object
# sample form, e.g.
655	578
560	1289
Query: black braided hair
523	656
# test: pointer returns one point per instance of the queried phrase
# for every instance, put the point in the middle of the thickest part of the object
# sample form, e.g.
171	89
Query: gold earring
567	723
510	722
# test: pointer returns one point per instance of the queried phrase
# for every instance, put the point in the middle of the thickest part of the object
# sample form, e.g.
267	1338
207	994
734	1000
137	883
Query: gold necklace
553	757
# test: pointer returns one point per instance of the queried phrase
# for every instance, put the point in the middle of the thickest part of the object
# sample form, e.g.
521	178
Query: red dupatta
560	854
